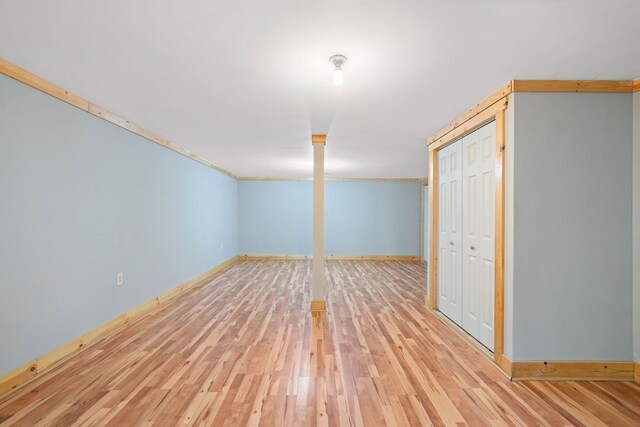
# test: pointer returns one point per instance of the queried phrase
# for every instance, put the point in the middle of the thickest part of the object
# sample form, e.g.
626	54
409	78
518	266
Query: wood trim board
252	178
337	257
318	139
636	372
30	79
490	100
475	122
573	370
588	86
498	323
318	305
505	364
636	85
39	365
433	228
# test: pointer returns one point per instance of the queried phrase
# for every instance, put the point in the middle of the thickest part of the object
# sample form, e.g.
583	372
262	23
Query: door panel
466	220
450	279
471	228
487	241
443	236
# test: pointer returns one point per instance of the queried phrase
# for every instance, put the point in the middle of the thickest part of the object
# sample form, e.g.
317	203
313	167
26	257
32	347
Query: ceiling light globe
338	77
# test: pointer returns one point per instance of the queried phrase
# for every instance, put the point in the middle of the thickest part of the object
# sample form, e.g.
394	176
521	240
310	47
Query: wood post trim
318	305
318	272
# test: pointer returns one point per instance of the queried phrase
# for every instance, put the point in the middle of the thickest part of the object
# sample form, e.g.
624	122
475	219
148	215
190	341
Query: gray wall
83	199
572	264
636	226
361	218
509	157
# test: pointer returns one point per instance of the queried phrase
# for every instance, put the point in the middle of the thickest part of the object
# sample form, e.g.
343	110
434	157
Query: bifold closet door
450	237
478	223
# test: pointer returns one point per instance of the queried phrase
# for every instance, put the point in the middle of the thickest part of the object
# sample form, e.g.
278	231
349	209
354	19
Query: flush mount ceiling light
338	61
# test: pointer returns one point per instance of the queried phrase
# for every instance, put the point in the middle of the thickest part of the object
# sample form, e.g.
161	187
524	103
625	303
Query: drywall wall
372	218
636	226
361	218
82	200
509	155
572	264
275	217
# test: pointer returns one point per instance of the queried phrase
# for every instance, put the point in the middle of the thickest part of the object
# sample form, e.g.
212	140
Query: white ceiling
244	83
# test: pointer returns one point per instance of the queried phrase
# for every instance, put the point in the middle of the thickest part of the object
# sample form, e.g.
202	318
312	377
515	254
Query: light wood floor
244	350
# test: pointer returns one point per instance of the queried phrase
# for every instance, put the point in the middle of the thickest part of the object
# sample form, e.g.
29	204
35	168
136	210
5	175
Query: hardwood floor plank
245	350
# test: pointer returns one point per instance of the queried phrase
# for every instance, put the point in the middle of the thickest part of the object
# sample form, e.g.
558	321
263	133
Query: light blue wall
275	217
361	218
83	199
372	218
572	284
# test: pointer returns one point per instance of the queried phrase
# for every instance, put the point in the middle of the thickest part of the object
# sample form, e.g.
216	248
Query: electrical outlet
119	279
221	246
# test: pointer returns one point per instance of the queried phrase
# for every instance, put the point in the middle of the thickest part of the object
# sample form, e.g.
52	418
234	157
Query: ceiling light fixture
338	61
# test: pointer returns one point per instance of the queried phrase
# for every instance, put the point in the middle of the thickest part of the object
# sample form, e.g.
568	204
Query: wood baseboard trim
23	374
267	256
573	370
374	257
636	372
338	257
505	364
347	179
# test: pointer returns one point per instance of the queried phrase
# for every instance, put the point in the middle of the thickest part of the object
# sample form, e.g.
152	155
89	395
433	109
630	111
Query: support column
318	281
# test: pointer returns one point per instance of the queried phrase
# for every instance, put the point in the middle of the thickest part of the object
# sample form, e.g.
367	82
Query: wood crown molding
446	134
589	86
490	100
30	79
573	370
32	369
318	139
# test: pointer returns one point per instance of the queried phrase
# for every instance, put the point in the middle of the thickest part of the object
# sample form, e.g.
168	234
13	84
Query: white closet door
471	233
443	235
486	244
450	238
